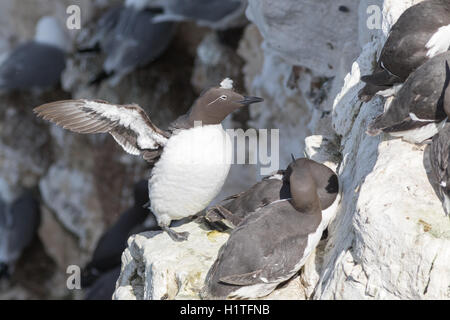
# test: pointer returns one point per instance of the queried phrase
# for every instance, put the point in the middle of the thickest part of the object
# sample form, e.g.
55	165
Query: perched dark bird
421	32
216	14
191	160
440	158
271	245
273	188
36	64
440	154
113	242
418	112
129	39
104	287
19	223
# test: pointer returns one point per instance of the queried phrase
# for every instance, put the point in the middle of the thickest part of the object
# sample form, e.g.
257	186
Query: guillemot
418	112
113	242
36	64
232	210
19	222
216	14
440	154
191	160
421	32
129	39
271	245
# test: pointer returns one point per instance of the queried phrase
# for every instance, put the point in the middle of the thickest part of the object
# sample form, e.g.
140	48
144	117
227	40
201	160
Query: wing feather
129	125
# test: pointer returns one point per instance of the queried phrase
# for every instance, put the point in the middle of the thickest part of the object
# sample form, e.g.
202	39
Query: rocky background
390	237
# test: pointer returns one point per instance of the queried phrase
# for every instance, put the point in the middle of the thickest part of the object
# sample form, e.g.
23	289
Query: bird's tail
381	78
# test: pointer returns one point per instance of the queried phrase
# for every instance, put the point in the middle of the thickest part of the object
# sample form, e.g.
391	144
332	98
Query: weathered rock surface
145	275
210	68
319	35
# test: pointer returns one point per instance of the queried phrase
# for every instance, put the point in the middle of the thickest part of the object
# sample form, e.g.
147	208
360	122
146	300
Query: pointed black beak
249	100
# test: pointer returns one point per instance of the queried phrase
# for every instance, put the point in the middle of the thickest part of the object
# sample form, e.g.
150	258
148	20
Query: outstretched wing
128	124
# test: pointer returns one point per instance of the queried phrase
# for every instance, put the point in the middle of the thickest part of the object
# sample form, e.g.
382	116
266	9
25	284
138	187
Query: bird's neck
304	192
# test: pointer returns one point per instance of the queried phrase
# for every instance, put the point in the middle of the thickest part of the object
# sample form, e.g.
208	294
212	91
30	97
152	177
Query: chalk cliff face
390	238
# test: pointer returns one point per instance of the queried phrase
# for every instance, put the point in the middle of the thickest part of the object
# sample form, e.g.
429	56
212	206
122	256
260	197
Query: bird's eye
223	97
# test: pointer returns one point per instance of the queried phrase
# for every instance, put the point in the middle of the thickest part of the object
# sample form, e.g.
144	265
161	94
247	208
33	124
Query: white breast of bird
191	171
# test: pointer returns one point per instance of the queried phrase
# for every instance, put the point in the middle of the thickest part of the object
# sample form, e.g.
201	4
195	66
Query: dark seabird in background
216	14
271	246
129	39
191	160
113	242
19	223
36	64
421	32
440	154
418	112
104	287
272	188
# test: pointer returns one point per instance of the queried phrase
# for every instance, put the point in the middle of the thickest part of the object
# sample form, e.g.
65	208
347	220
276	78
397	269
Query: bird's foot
212	215
228	215
176	236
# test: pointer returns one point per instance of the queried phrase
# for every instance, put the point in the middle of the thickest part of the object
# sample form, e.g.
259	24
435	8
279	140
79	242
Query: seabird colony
278	222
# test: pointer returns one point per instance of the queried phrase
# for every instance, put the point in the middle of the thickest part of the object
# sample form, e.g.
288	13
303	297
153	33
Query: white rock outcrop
390	238
151	264
309	33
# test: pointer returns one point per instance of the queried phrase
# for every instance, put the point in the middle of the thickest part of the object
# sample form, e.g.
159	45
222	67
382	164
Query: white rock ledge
156	267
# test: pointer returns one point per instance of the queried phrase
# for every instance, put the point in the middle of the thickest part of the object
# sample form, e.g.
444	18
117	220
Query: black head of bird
216	103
